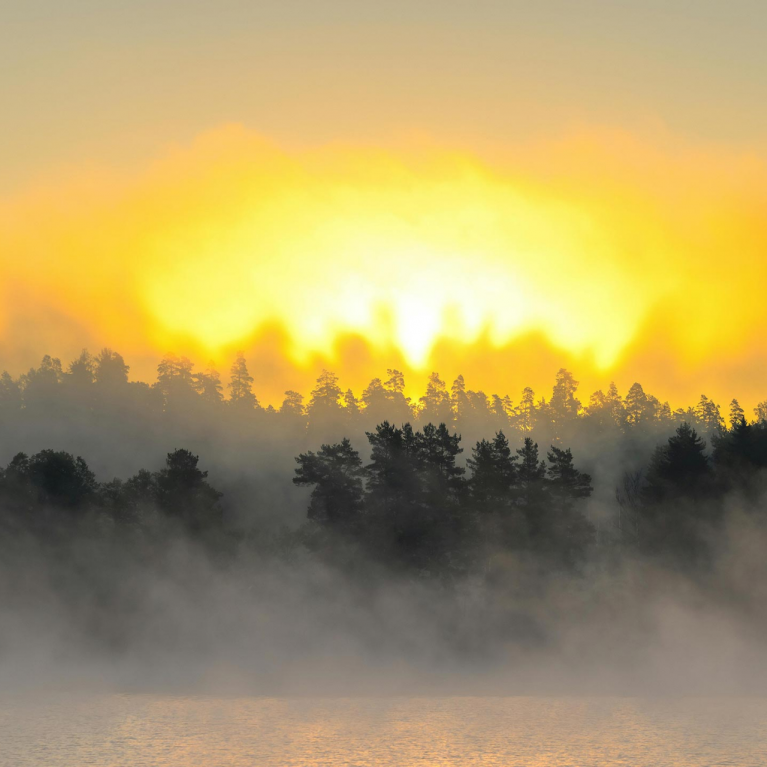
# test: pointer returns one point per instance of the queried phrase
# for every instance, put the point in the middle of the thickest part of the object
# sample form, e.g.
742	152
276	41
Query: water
154	731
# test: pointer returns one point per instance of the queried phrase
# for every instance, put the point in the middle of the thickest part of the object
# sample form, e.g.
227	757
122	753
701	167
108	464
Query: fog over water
555	585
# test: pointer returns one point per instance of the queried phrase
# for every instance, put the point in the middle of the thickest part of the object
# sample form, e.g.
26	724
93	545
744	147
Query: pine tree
375	402
293	404
351	410
324	409
208	385
531	473
335	472
435	404
636	405
564	406
459	400
241	393
493	474
175	382
110	370
708	415
679	468
737	414
615	403
400	409
81	372
527	415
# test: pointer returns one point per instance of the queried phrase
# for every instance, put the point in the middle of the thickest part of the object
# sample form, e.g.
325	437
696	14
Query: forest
178	532
393	479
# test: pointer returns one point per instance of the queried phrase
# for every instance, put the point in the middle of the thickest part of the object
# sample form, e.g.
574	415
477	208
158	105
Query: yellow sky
626	256
495	188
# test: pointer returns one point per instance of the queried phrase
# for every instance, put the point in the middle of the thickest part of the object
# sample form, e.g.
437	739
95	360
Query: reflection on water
151	730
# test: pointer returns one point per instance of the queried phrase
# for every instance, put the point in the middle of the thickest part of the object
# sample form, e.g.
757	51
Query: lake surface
154	731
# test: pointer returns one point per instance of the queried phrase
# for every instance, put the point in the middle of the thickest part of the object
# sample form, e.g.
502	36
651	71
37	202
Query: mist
248	583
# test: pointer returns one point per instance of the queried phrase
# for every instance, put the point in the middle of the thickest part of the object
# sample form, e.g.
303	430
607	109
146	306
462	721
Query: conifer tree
737	414
241	393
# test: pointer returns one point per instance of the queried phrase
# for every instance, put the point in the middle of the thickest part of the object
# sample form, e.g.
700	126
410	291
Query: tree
324	405
569	532
184	494
760	411
708	415
527	410
60	479
110	370
564	406
531	474
637	405
677	514
40	386
241	394
208	385
459	400
737	414
679	468
598	410
293	404
435	403
399	405
175	381
493	474
392	472
10	394
565	481
375	402
335	472
437	449
740	452
615	403
502	410
81	372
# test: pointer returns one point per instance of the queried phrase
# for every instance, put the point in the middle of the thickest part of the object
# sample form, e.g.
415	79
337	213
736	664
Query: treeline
49	492
95	384
412	503
413	507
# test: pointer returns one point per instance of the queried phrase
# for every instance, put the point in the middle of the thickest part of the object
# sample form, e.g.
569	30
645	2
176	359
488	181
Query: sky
492	188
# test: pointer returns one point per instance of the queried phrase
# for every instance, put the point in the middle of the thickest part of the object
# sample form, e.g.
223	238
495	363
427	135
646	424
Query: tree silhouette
679	468
335	472
241	394
400	409
10	394
175	382
293	404
208	385
375	402
81	372
708	415
637	406
324	407
737	414
435	403
564	406
493	474
527	410
568	531
110	370
184	494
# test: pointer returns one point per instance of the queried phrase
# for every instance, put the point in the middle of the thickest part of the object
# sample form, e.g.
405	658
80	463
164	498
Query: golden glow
620	254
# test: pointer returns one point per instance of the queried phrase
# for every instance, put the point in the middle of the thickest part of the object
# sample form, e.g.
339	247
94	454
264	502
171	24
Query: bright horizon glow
619	252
